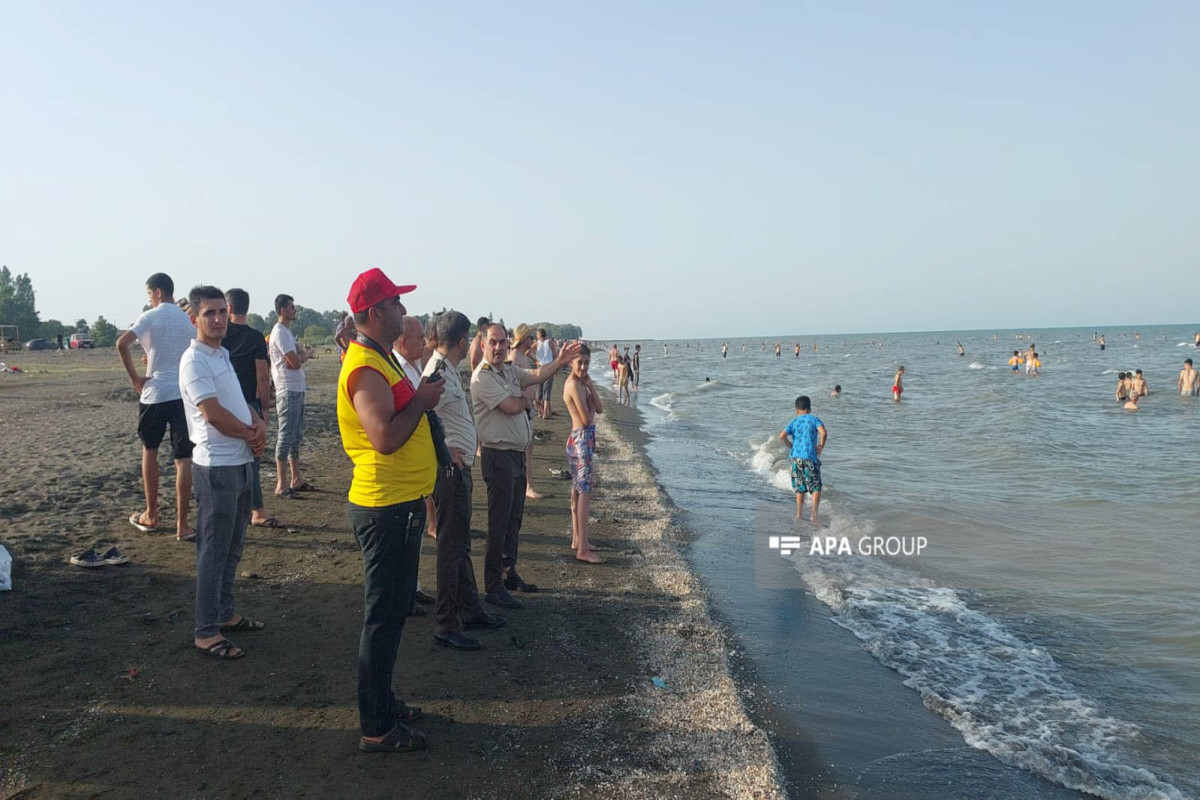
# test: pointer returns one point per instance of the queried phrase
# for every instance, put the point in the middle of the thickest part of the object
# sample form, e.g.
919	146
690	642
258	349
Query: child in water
807	437
898	385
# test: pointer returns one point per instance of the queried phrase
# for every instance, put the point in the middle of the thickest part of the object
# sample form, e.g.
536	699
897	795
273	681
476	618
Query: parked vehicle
40	344
80	341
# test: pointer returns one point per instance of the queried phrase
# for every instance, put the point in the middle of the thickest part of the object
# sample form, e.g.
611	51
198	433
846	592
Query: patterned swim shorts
806	476
581	446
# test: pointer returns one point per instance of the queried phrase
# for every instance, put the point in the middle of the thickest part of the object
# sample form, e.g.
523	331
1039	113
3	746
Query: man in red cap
387	435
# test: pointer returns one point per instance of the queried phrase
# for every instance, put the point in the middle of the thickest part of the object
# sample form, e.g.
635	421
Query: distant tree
560	331
17	306
258	323
315	333
104	333
52	328
81	326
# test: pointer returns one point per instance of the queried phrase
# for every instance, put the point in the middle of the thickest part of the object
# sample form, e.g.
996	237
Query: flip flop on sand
224	650
269	522
188	537
134	521
305	487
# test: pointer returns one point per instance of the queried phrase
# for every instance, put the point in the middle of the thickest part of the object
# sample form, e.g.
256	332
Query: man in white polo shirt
164	333
227	435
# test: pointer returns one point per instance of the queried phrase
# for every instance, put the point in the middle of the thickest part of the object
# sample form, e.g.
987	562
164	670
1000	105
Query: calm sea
1051	620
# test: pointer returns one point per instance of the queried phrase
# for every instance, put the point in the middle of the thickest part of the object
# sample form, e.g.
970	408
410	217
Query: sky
644	170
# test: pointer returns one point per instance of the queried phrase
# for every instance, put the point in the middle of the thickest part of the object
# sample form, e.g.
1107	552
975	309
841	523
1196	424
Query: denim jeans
390	540
289	407
457	594
222	512
504	474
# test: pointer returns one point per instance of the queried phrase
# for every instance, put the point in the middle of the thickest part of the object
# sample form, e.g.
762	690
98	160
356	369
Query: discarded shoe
88	559
114	557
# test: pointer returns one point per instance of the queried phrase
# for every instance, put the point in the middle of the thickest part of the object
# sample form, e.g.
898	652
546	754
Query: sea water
1052	617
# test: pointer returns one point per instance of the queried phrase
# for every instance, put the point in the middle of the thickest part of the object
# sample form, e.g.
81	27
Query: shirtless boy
1131	405
1015	361
1139	385
583	404
898	385
1122	386
1189	380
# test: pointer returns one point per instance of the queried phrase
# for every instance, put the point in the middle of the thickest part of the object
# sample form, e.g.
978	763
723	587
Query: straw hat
521	332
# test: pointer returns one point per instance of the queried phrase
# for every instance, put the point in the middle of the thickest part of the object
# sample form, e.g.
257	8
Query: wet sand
104	695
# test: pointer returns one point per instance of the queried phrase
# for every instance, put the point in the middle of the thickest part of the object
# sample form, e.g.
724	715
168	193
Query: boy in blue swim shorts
807	435
583	404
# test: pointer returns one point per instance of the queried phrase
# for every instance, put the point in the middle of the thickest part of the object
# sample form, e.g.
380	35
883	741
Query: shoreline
110	698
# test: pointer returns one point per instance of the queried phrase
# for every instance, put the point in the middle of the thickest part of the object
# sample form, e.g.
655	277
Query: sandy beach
104	694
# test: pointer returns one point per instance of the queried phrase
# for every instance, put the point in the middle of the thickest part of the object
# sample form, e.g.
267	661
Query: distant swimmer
807	434
1122	386
837	391
1139	385
898	385
1100	341
1189	385
777	349
724	350
961	352
664	349
1033	366
1015	362
1131	405
797	349
1197	342
814	348
706	379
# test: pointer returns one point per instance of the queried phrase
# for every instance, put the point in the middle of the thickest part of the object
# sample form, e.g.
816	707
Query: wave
1003	694
977	365
663	403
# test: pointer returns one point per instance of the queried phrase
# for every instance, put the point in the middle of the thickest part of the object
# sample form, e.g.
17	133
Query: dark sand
104	695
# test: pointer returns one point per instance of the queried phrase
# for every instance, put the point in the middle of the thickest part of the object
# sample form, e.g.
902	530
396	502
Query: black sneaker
425	599
502	598
484	620
514	583
88	559
457	640
114	557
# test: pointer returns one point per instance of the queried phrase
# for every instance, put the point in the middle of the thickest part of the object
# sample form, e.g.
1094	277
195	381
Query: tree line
18	307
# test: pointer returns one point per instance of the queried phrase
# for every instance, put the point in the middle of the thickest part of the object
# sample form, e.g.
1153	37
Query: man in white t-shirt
408	350
164	332
287	370
228	435
546	352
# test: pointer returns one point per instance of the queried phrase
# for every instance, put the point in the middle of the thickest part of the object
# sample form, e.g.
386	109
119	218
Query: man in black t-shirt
248	354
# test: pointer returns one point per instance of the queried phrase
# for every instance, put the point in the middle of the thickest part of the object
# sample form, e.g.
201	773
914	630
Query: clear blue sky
644	169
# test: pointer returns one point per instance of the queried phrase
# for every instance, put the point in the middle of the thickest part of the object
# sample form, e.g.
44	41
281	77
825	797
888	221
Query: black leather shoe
486	621
514	583
424	599
458	640
502	598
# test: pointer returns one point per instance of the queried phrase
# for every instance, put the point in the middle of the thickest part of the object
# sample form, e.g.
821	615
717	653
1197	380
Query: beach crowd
412	431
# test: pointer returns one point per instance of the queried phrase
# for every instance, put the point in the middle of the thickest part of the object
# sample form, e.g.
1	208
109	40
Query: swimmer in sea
1101	341
1139	385
1122	386
1033	366
724	350
1189	380
797	350
961	352
898	385
777	349
1131	405
837	391
1015	361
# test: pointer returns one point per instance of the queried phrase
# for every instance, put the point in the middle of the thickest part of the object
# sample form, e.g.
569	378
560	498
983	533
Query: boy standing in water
807	434
1189	379
898	385
583	404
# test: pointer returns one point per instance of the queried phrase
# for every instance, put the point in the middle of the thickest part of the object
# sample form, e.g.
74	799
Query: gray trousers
223	511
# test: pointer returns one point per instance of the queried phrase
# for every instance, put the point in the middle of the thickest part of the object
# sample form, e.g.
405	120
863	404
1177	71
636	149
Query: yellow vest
383	480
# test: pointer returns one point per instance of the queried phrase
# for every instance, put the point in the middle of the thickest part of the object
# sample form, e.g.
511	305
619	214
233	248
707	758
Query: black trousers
504	474
457	594
390	540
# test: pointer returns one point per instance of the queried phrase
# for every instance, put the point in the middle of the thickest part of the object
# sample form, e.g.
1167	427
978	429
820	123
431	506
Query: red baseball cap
371	287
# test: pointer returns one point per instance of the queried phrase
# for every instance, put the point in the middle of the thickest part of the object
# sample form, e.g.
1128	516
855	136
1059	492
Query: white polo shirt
164	332
206	372
283	341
